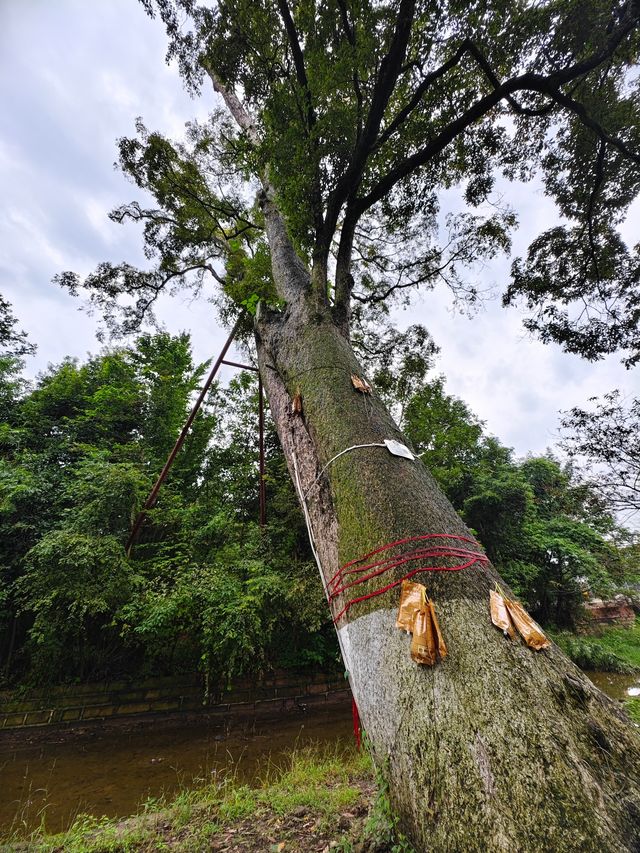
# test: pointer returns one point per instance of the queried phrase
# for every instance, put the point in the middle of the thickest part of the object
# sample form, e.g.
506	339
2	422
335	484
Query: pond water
615	684
111	771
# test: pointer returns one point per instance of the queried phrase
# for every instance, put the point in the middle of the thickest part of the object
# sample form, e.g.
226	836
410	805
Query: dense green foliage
205	589
612	650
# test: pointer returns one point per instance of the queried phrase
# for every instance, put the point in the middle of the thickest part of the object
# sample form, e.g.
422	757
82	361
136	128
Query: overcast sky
74	74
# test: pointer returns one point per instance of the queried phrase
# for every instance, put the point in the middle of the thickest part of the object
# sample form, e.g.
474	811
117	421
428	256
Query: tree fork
497	747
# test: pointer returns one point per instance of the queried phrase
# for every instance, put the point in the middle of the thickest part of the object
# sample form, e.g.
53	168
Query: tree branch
388	72
351	38
319	273
525	82
298	59
428	81
548	85
289	273
580	110
344	278
235	106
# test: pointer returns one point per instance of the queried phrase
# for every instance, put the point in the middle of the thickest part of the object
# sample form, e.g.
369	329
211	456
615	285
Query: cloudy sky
74	74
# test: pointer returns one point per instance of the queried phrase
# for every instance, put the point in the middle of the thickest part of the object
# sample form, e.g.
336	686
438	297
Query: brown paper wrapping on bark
427	643
423	643
360	384
529	630
296	403
442	649
500	615
412	598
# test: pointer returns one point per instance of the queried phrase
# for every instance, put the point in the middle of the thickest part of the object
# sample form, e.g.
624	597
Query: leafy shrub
590	654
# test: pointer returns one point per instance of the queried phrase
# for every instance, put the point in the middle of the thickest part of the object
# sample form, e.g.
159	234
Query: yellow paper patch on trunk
423	644
500	615
529	630
412	598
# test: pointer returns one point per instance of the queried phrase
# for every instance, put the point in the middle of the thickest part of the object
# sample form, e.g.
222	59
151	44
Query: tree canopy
354	116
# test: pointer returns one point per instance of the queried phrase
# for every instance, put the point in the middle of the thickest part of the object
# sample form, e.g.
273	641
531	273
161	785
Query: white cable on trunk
337	456
307	518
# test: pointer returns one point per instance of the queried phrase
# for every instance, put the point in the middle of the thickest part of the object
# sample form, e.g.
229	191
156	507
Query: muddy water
111	771
616	685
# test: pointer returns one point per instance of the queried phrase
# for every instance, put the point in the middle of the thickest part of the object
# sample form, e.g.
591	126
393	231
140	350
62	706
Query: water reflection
615	684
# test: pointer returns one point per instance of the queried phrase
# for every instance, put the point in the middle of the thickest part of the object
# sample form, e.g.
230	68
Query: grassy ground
633	708
612	650
321	801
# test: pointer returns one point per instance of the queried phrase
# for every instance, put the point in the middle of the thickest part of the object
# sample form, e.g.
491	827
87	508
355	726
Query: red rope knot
352	573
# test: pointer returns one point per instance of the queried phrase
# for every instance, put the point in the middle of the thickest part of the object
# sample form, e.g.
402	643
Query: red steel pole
241	366
262	491
153	494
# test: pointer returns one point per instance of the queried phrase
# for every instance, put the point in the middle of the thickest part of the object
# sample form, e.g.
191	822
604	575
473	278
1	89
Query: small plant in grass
237	804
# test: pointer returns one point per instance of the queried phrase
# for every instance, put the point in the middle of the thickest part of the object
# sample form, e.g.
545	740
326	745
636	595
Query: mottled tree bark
497	747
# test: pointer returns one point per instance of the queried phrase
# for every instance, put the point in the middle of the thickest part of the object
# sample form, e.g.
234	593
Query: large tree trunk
497	747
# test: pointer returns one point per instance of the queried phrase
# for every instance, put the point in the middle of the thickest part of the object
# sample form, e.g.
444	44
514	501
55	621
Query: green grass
322	781
321	785
611	650
623	643
633	708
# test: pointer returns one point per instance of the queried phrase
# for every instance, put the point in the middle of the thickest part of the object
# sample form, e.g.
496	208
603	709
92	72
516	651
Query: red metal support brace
241	366
153	494
262	492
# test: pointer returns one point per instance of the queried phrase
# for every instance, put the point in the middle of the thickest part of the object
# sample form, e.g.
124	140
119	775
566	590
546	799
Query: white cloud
73	77
96	210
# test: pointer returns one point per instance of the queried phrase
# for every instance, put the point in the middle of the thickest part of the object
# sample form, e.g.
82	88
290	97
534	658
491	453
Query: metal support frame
153	494
262	492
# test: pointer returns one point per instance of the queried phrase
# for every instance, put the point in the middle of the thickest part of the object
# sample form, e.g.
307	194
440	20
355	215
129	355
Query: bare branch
350	32
588	121
235	106
298	59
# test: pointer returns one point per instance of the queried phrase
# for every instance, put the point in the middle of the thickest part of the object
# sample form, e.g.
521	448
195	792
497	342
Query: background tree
354	117
547	532
206	592
607	438
12	341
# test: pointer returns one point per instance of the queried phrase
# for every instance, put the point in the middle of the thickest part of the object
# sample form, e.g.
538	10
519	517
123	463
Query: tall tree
350	117
607	438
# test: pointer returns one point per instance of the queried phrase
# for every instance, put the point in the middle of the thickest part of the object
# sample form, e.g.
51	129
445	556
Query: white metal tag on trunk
398	449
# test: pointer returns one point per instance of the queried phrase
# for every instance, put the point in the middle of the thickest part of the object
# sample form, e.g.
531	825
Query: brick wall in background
283	691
